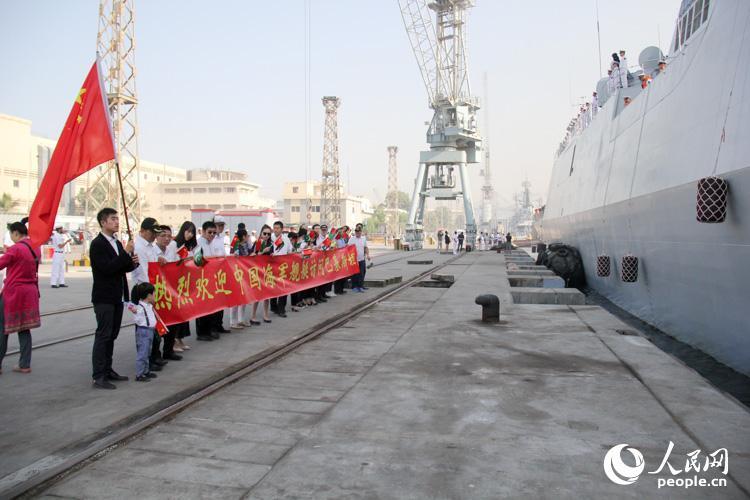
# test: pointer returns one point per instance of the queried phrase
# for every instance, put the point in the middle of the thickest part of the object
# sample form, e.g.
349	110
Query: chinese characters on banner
185	291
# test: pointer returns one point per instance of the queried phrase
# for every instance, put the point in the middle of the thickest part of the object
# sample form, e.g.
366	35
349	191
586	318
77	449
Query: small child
142	307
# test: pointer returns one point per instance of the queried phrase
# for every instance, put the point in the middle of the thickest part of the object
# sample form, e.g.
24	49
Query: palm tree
7	203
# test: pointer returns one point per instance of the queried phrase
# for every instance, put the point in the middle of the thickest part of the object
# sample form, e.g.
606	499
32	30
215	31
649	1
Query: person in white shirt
59	240
144	317
363	253
222	240
220	248
145	249
163	239
454	242
210	326
623	70
594	104
147	252
281	246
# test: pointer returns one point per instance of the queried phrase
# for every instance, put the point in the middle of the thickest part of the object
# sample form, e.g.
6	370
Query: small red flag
183	252
258	245
279	242
161	327
85	142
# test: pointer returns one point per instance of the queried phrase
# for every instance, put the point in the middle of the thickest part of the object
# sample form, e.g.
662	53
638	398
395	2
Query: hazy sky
221	83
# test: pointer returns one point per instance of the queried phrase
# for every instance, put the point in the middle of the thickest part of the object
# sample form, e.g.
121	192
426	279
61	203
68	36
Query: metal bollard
490	307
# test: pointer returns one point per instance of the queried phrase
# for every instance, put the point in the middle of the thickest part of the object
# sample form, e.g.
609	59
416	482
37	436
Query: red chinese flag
85	142
183	252
279	242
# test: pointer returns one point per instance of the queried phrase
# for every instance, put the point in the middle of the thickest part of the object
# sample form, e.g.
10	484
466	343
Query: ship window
572	160
697	11
691	18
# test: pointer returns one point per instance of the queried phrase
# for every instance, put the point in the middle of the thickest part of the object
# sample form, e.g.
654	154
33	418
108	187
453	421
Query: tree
375	224
7	203
403	200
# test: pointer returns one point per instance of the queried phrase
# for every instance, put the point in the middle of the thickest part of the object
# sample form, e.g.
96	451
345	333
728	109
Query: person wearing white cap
594	104
220	243
623	70
220	247
59	240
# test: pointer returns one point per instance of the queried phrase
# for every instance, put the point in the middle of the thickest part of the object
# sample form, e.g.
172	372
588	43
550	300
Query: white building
295	205
168	193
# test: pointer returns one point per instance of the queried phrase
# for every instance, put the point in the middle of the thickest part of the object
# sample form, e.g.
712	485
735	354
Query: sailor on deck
623	70
59	240
594	104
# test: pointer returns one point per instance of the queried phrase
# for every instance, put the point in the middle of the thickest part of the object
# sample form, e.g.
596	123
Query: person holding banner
204	324
181	248
363	252
147	251
110	262
281	246
263	246
237	313
219	248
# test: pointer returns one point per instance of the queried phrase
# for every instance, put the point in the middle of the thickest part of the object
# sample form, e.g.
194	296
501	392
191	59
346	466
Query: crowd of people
117	266
455	242
618	77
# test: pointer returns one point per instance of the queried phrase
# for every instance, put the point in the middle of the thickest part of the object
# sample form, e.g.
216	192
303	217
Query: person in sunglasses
204	324
360	243
262	246
281	246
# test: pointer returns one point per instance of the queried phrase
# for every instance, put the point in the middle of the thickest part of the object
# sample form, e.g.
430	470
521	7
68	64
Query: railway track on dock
89	333
56	468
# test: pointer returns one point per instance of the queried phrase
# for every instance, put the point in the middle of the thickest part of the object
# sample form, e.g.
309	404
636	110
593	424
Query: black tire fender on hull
566	262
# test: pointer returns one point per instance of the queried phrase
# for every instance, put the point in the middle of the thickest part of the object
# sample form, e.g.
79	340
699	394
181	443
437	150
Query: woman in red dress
19	302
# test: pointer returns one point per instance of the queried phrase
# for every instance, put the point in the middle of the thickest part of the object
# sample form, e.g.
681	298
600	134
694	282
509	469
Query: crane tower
488	192
115	44
330	196
453	136
392	197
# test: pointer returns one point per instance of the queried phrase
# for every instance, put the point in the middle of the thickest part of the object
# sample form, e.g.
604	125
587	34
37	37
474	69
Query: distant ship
630	184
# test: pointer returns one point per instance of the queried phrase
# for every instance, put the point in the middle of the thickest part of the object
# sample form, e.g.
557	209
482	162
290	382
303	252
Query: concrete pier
417	398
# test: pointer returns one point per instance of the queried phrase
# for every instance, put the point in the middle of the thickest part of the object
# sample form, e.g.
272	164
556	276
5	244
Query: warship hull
627	186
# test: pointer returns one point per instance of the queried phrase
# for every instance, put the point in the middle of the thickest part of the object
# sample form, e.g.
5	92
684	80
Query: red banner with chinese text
185	291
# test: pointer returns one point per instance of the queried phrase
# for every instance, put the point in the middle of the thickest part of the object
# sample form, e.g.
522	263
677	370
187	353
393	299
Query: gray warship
655	194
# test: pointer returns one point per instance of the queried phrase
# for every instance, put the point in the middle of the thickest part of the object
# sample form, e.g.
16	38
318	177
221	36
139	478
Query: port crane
453	135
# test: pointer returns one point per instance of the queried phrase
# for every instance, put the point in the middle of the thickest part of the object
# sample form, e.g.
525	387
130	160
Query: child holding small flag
142	307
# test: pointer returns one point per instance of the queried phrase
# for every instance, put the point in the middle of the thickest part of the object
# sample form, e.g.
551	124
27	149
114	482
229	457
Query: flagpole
124	203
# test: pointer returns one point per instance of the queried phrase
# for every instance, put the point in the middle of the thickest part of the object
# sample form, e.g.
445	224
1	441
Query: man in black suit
109	263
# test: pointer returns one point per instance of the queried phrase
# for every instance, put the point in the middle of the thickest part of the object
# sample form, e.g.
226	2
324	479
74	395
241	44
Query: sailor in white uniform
623	70
594	104
59	240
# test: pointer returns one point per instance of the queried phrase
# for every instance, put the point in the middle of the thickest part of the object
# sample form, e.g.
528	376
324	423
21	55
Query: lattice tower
392	196
115	44
330	196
